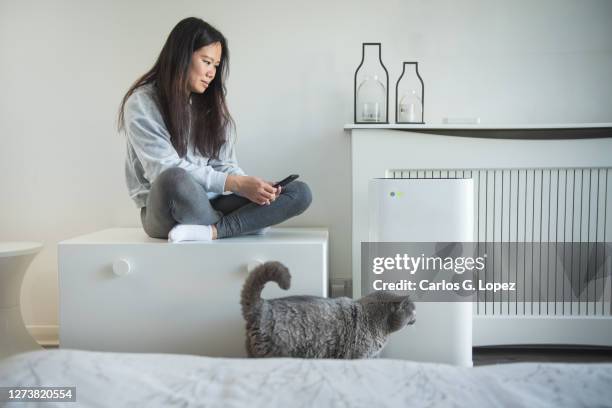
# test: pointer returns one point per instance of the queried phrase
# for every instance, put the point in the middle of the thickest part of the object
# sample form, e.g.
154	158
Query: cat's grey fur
315	327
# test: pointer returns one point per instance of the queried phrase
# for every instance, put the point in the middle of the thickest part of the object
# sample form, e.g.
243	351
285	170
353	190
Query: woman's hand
278	190
253	188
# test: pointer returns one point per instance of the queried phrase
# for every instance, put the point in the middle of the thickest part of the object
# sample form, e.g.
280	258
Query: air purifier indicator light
398	194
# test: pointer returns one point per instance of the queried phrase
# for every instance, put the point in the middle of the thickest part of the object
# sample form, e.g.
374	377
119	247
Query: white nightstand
15	257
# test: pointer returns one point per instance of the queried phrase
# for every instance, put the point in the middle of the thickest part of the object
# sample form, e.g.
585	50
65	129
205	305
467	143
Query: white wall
65	65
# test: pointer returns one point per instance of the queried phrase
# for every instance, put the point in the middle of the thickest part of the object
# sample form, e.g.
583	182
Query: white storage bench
123	291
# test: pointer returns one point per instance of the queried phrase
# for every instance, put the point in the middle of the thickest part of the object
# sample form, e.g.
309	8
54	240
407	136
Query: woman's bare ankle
214	231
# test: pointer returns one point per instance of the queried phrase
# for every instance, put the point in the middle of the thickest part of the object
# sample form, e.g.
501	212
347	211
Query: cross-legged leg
176	198
294	199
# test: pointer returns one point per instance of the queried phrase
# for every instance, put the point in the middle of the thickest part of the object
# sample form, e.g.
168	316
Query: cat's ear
400	315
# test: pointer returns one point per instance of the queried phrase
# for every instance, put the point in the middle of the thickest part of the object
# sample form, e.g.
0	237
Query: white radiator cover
383	151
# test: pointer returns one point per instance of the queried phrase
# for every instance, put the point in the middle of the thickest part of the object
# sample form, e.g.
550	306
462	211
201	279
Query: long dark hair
211	120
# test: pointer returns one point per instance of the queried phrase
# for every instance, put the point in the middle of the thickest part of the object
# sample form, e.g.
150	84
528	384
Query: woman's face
203	67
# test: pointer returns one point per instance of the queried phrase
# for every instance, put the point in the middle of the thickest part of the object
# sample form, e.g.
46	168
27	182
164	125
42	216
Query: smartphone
286	180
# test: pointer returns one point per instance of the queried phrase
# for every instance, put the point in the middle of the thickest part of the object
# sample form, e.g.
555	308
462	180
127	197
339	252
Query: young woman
180	161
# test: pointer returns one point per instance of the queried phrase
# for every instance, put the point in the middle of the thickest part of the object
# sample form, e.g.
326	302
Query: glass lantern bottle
410	95
371	87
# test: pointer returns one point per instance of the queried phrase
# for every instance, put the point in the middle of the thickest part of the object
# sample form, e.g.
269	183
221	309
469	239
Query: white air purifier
427	210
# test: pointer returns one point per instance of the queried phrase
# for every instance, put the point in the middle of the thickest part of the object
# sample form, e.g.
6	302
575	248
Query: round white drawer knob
122	267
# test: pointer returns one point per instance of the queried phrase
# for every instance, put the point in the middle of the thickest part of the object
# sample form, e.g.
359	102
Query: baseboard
488	331
511	330
45	335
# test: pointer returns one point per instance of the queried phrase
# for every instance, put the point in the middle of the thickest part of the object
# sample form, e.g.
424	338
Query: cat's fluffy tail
257	279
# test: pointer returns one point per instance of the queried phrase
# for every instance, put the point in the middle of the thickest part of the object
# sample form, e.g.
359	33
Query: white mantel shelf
550	131
441	126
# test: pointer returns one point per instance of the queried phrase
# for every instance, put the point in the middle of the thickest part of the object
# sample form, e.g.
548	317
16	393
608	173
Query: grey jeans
176	198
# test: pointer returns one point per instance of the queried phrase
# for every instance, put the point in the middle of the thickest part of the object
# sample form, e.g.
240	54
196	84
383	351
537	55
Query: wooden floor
502	355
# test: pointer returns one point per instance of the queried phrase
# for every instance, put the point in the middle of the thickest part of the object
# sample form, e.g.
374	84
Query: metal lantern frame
422	122
386	122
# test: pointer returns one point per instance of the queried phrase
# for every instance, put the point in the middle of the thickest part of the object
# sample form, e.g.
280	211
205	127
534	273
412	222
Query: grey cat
315	327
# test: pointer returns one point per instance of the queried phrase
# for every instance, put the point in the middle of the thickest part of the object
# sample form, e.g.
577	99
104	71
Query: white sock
188	232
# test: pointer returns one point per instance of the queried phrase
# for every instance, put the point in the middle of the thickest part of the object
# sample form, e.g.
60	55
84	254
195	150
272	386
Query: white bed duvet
161	380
